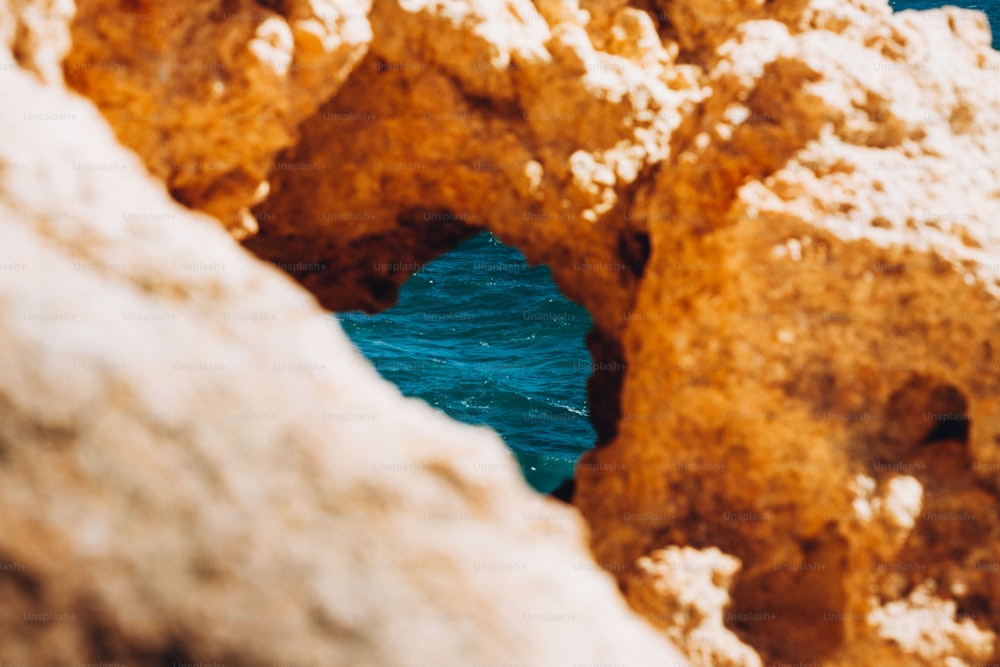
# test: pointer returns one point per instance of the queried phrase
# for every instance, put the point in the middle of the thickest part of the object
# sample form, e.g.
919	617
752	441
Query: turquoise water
489	340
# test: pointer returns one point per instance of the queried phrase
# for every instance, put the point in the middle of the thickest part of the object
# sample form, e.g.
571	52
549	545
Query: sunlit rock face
812	378
208	93
782	217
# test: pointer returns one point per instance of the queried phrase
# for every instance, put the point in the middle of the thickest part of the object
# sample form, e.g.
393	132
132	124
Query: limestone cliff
782	216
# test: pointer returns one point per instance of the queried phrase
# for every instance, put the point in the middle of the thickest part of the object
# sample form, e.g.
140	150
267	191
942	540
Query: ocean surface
482	336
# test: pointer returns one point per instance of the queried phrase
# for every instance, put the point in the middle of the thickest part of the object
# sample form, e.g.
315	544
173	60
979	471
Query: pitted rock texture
783	219
197	467
684	592
812	382
208	93
507	121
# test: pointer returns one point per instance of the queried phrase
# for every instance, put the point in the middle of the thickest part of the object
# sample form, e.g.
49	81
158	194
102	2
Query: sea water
487	339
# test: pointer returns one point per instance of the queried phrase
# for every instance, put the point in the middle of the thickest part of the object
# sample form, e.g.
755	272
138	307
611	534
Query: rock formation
197	467
208	94
781	216
812	345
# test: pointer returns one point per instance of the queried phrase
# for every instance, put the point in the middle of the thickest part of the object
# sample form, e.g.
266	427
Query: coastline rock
459	120
197	467
208	94
684	591
781	216
778	362
811	381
